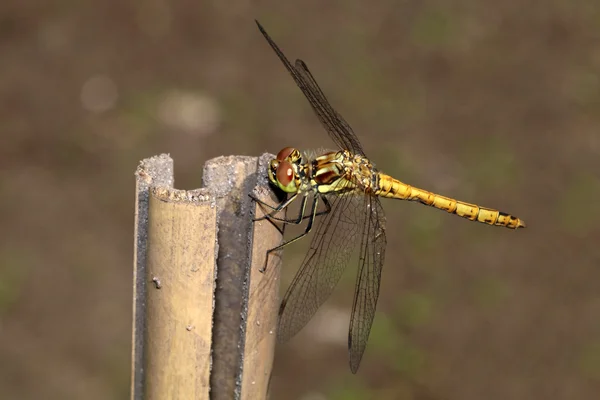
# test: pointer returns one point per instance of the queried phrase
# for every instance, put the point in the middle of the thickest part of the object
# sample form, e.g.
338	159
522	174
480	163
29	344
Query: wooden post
204	316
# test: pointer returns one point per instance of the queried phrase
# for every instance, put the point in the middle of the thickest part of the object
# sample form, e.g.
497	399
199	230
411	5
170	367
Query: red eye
285	173
285	153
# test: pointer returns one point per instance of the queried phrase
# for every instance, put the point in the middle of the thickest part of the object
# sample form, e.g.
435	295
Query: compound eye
285	153
285	173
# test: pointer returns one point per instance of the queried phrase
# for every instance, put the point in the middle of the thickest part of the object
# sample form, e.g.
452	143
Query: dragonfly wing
339	130
372	255
336	239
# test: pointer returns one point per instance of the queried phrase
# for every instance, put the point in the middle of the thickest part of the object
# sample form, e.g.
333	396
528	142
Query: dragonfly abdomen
394	189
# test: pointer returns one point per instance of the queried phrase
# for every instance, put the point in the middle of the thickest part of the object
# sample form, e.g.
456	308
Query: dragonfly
351	227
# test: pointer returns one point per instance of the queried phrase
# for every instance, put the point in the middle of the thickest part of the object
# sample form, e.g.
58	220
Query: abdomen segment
394	189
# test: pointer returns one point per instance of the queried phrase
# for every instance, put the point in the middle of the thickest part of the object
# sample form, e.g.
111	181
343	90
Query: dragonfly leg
312	216
275	209
269	215
295	221
304	216
301	215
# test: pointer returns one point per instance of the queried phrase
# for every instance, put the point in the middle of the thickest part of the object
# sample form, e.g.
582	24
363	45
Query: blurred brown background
492	103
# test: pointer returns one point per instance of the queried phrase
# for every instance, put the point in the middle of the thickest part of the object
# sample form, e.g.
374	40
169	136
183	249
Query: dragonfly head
284	170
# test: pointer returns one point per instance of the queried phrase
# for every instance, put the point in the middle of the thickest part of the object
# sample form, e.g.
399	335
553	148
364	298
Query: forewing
336	238
372	255
339	130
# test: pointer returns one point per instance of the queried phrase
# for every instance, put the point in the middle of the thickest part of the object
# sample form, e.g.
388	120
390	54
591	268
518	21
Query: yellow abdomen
393	188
